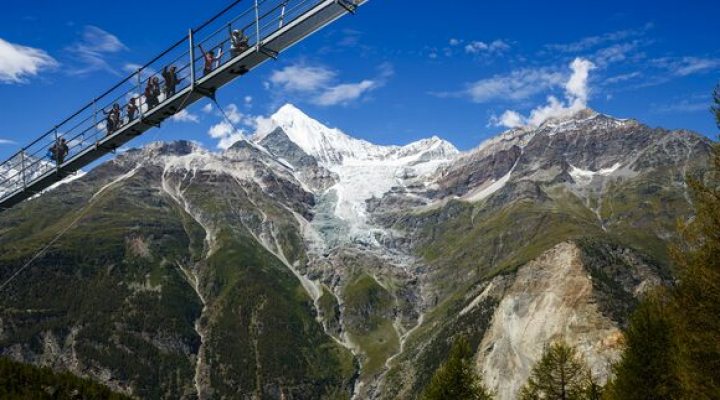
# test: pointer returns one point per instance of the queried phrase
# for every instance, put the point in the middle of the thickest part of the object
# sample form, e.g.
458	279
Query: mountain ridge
368	260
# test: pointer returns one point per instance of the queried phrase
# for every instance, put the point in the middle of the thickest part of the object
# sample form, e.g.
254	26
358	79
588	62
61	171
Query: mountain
307	264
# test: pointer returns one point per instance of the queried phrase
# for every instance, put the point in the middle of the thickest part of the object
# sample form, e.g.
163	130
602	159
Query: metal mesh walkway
267	27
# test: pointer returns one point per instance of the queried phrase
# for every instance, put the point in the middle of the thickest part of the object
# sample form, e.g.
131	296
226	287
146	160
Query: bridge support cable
268	27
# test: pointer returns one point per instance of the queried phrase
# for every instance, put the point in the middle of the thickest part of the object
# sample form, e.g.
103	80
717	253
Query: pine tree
646	370
697	298
456	380
561	374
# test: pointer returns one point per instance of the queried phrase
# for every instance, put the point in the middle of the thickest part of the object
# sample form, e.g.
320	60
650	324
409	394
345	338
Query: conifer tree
646	370
561	374
697	298
456	380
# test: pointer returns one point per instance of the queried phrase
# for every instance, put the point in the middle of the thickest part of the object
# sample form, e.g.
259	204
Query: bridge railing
258	19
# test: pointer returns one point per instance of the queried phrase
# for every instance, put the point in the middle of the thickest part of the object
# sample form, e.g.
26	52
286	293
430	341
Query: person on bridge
209	60
59	151
152	93
131	110
113	119
238	43
171	81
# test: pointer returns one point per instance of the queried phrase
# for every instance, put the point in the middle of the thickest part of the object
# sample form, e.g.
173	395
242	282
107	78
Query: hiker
171	81
209	60
131	110
113	119
59	151
238	43
152	93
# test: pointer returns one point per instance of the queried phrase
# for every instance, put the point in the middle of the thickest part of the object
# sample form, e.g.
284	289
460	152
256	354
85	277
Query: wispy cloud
590	42
7	141
185	116
18	63
478	47
301	78
318	84
624	77
684	106
577	93
685	66
91	52
345	93
516	86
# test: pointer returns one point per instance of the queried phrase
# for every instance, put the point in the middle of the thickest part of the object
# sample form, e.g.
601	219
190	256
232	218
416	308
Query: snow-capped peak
332	146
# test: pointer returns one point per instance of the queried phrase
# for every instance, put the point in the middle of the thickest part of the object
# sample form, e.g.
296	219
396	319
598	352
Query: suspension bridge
267	28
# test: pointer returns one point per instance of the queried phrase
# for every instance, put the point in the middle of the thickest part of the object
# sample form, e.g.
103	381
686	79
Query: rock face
307	264
551	298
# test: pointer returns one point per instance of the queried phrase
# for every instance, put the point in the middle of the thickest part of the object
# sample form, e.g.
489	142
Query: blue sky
397	72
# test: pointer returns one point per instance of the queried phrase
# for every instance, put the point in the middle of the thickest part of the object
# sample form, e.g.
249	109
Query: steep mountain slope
308	264
597	195
177	282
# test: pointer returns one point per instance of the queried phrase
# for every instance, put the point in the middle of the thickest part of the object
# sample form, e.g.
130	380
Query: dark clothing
207	70
171	81
113	120
59	151
131	111
152	95
110	121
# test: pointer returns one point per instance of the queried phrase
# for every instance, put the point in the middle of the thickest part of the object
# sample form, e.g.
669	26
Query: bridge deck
271	26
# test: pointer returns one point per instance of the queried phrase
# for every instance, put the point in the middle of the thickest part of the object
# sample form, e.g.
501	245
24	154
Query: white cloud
593	41
233	114
615	53
248	99
263	125
7	141
477	47
230	132
624	77
19	62
454	42
509	119
318	85
693	65
298	78
518	85
225	134
577	93
93	49
185	116
208	108
345	93
684	106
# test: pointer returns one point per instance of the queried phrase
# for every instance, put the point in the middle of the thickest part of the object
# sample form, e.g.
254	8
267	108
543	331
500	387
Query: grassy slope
471	243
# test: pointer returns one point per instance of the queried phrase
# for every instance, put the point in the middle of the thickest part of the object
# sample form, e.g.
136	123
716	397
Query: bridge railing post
95	122
282	15
257	25
57	147
24	172
140	94
192	59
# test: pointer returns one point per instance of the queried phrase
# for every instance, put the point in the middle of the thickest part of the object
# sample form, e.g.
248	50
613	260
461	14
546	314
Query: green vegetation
561	374
26	382
646	369
455	379
673	350
115	291
369	309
